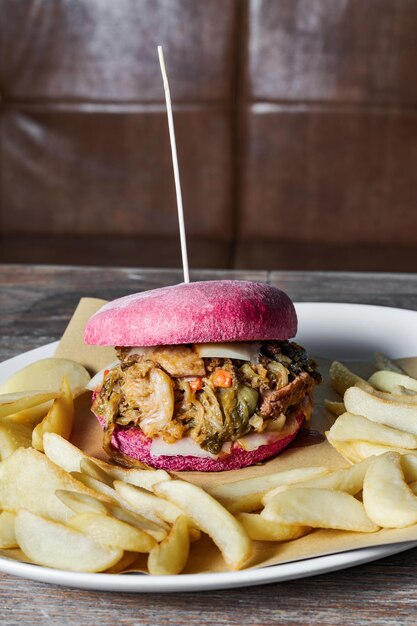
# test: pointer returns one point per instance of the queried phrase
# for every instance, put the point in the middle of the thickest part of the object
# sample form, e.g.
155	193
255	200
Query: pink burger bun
201	312
221	311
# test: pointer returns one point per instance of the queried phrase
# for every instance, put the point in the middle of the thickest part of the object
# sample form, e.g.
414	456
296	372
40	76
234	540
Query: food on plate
342	378
206	379
212	518
349	480
7	530
13	436
319	508
261	529
387	498
171	555
28	480
246	494
59	522
392	381
47	375
348	426
52	544
11	403
112	532
70	458
59	419
380	414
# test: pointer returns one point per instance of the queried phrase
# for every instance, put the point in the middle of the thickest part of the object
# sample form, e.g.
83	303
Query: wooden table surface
35	305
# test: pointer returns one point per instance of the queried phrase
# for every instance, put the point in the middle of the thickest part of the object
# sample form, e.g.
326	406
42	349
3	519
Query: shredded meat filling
156	392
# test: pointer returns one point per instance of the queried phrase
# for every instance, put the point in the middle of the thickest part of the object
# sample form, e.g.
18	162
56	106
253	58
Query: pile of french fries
374	416
66	510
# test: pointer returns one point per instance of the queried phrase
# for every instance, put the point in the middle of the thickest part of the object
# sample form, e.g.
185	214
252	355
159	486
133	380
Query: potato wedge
84	503
15	402
171	555
30	417
29	480
210	517
62	452
342	378
55	545
402	416
357	451
349	480
146	502
59	419
319	508
69	457
81	502
349	426
90	468
261	529
246	495
388	381
47	374
13	436
383	362
111	532
335	408
387	499
7	530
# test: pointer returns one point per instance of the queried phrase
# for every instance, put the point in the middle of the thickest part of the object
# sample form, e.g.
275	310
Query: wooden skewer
175	166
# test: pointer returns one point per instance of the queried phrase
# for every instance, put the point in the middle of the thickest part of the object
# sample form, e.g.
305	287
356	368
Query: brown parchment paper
310	448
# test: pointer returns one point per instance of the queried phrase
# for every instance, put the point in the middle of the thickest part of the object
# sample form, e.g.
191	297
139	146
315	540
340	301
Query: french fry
342	378
69	457
388	500
91	468
13	436
349	480
146	502
12	403
319	508
347	427
111	532
383	362
81	502
261	529
356	451
30	417
54	545
388	381
210	517
85	503
62	452
335	408
170	556
29	480
59	419
47	374
246	495
402	416
7	530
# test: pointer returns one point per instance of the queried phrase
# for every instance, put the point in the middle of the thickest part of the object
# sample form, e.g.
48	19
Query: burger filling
173	392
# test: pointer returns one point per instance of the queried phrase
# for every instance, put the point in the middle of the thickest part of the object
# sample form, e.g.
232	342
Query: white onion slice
97	380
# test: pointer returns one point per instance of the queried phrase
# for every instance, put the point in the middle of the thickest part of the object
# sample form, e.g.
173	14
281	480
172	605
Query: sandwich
206	377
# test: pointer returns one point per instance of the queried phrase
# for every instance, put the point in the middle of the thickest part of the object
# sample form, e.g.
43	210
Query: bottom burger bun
134	444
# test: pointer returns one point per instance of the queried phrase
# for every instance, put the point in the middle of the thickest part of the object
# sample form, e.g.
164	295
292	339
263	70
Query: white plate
343	331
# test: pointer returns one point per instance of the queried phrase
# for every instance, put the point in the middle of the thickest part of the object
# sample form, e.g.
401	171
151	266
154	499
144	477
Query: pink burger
205	379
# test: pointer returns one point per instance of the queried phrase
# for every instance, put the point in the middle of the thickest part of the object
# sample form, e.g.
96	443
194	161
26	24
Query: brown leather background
296	125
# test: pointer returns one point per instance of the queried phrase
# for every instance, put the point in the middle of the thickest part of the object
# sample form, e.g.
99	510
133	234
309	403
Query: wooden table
35	305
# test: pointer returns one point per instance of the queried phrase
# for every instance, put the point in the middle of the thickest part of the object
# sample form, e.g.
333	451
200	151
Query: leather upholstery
295	120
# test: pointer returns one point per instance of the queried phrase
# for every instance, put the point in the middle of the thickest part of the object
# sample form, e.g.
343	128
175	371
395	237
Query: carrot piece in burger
221	378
